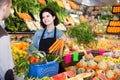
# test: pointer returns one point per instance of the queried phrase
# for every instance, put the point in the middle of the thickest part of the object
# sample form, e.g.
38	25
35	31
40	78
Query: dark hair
4	1
56	21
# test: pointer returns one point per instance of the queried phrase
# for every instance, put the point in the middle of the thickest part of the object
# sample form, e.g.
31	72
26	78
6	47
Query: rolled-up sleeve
36	39
59	33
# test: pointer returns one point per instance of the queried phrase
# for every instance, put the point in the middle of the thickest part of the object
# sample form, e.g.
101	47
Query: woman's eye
47	15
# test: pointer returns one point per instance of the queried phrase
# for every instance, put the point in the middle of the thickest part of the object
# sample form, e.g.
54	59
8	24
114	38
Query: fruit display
116	9
114	23
113	27
19	50
107	44
112	56
92	65
64	75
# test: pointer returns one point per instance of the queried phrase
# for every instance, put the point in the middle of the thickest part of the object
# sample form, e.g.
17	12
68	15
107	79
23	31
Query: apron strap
44	33
55	33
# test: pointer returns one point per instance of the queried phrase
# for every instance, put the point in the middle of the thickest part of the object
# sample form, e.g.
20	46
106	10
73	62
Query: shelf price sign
68	58
75	56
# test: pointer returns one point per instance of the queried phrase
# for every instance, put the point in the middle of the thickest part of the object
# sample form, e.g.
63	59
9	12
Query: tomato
37	59
27	56
34	59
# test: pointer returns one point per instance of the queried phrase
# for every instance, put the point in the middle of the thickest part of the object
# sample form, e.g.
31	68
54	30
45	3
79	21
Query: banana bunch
115	60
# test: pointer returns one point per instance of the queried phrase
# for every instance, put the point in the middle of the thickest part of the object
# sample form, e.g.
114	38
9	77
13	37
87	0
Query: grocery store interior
90	52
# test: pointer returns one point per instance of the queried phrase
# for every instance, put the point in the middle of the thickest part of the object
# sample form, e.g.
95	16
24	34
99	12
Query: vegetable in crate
36	54
34	59
82	32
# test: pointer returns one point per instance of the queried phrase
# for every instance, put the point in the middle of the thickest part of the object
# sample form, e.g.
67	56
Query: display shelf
107	36
114	25
21	32
21	36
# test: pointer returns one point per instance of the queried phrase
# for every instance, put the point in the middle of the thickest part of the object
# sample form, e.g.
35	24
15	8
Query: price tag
101	51
68	58
75	56
89	51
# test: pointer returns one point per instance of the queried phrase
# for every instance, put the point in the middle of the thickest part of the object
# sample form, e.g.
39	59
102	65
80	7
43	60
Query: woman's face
47	18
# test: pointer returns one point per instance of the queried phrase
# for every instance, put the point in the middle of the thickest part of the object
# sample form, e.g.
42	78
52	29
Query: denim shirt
38	34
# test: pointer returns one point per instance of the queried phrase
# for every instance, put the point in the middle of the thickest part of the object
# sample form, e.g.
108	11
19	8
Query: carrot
54	44
57	51
55	47
61	48
24	16
42	2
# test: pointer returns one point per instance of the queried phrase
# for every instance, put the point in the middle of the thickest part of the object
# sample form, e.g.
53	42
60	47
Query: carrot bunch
25	16
57	47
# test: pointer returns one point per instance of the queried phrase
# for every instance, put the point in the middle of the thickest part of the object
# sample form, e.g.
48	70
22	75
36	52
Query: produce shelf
21	32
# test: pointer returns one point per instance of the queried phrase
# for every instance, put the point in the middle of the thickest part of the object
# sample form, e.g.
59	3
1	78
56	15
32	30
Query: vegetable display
27	6
15	24
82	32
60	11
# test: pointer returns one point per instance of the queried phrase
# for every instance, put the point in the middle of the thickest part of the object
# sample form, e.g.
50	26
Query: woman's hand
64	37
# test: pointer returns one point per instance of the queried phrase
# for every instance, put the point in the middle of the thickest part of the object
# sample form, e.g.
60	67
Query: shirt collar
2	23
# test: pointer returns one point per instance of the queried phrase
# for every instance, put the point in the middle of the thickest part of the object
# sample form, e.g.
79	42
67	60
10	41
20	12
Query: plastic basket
48	69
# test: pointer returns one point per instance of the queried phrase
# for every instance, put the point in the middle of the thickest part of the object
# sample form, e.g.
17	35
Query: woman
44	38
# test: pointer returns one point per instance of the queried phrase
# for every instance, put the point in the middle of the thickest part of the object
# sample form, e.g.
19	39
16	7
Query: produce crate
116	9
113	27
48	69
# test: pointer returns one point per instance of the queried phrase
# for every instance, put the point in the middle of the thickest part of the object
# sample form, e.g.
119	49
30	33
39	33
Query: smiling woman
44	38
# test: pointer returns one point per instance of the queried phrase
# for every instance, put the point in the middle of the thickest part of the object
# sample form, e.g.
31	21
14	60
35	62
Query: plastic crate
116	9
48	69
113	27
